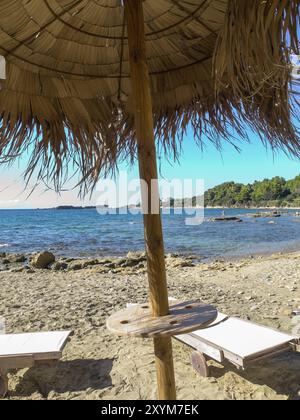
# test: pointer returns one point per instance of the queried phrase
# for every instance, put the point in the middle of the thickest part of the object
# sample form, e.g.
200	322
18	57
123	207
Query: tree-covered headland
275	192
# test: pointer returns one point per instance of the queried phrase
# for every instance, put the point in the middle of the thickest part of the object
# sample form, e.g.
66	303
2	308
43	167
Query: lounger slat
42	346
16	362
266	355
202	347
243	339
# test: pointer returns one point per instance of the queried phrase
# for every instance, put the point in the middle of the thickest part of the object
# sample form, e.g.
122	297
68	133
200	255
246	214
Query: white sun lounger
19	351
237	341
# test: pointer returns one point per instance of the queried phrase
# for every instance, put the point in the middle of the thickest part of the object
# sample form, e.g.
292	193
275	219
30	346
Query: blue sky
254	162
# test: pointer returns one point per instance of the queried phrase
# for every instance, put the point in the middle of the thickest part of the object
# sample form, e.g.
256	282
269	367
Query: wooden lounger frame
16	362
205	351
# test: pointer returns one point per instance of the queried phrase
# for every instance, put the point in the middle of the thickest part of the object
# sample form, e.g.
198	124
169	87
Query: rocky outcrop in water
227	219
266	215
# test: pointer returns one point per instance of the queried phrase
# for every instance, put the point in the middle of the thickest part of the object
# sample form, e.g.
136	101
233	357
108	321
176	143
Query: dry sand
98	365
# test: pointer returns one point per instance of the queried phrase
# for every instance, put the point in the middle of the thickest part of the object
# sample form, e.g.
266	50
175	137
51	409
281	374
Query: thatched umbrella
91	82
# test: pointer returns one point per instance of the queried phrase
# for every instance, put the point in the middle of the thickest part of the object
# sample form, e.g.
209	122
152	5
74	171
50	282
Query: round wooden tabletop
184	318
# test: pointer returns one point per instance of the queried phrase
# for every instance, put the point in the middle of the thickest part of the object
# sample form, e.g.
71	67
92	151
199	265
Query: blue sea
86	233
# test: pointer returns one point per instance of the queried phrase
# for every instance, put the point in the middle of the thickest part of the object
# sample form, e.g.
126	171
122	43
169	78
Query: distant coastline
71	208
164	207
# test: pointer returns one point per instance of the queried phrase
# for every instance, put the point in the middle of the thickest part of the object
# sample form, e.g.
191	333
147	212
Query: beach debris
296	313
292	289
43	260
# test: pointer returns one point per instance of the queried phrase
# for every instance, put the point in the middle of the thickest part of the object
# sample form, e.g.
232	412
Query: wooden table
184	318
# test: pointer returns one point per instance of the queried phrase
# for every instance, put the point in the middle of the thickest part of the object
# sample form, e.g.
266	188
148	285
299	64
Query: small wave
4	245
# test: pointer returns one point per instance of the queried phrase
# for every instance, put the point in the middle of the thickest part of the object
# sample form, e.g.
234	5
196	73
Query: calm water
79	233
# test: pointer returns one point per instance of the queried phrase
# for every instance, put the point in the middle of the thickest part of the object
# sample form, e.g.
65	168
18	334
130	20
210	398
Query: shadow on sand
63	377
281	374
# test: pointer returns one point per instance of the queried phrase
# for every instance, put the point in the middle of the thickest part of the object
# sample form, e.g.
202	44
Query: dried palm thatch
217	64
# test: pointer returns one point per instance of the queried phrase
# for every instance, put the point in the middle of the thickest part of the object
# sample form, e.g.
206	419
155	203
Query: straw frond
255	66
218	66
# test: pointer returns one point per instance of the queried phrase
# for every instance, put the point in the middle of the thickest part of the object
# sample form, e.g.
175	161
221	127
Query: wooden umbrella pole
140	81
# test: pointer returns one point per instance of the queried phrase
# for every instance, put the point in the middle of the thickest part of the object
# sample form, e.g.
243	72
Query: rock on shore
43	260
132	262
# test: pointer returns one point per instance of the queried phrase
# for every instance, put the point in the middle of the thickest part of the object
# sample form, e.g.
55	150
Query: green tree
269	192
245	195
294	186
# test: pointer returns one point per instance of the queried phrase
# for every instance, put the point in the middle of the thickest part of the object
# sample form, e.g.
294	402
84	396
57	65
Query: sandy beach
99	365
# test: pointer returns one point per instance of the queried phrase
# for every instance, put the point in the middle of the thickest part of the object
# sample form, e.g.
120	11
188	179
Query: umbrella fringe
255	67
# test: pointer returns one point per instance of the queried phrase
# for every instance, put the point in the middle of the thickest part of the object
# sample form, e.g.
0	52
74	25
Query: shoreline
133	260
